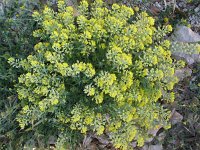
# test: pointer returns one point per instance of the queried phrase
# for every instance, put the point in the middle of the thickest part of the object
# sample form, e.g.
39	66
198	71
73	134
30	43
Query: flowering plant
103	71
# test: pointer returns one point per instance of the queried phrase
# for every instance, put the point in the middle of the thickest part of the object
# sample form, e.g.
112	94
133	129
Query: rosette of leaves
103	71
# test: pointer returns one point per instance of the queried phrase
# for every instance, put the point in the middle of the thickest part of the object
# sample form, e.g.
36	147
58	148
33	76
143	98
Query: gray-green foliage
186	48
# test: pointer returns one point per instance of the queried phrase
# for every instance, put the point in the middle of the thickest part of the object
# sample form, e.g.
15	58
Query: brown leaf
154	10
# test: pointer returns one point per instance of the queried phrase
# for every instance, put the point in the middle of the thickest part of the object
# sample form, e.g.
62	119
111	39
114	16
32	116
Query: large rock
184	45
185	34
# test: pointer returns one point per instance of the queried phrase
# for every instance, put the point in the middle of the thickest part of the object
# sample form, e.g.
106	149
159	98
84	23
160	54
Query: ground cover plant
16	27
101	71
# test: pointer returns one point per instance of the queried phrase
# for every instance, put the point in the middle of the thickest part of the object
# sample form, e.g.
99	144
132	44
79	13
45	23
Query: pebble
159	6
1	10
185	10
197	9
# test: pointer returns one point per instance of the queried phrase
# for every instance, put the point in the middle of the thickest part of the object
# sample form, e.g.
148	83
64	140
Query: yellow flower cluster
118	58
99	71
79	67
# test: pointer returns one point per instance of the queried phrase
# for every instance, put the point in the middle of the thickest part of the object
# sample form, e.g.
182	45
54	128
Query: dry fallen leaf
154	10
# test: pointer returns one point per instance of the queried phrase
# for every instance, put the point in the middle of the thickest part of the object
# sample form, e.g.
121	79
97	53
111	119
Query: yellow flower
132	134
158	94
160	74
25	108
54	102
100	130
91	92
129	117
93	43
113	94
103	45
151	21
62	68
36	14
166	19
61	3
118	124
140	141
133	28
99	116
149	40
87	35
84	3
88	120
117	145
34	63
144	14
99	98
136	8
155	115
115	6
181	63
41	106
170	85
198	48
84	130
154	60
166	43
172	96
161	50
168	126
73	127
141	46
56	46
169	28
75	118
145	72
149	31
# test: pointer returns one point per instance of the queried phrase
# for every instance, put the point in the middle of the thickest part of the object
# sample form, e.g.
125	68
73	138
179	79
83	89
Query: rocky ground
187	9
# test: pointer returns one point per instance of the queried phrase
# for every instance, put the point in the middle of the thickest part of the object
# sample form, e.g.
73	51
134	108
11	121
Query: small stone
196	57
196	9
134	144
1	10
181	4
161	136
176	117
185	10
52	140
153	147
159	6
